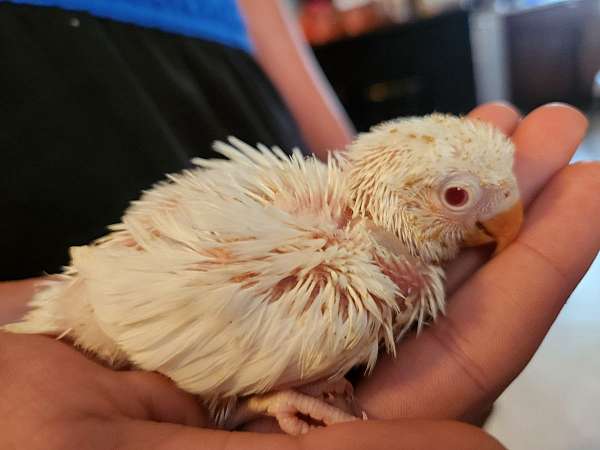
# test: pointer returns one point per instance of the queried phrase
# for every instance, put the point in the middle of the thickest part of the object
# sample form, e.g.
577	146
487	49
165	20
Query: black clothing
94	111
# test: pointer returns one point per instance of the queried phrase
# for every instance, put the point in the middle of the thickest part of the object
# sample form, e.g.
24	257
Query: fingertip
574	114
570	121
496	105
546	140
501	114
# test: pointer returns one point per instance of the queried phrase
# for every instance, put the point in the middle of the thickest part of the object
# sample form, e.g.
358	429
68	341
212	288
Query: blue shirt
216	20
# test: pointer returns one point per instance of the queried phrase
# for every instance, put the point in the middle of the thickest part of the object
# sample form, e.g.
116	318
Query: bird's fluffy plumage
256	272
398	167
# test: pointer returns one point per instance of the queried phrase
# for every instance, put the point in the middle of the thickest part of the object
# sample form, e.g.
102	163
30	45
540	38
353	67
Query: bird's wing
242	276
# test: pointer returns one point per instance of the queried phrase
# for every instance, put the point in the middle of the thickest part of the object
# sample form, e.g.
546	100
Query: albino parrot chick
267	278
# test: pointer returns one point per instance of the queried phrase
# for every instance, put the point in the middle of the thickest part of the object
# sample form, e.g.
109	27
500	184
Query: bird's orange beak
501	229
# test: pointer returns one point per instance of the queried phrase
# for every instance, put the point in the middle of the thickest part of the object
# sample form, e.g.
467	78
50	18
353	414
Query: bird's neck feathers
409	234
374	196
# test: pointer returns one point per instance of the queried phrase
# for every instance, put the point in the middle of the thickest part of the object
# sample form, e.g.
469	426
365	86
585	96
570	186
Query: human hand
462	363
499	312
53	397
14	296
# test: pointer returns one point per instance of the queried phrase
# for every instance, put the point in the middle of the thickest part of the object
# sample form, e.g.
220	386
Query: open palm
498	313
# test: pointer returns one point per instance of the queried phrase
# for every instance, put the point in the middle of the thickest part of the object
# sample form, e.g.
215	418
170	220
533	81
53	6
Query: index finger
502	115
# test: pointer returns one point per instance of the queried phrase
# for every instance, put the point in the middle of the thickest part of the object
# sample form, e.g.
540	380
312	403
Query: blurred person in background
99	99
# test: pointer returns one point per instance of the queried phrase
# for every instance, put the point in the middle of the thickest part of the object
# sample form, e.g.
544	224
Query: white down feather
235	278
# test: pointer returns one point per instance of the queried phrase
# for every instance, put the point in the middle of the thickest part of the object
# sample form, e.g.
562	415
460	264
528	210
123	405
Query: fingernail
503	115
566	114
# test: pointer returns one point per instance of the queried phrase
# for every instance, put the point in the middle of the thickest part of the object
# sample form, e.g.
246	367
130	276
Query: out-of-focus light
596	87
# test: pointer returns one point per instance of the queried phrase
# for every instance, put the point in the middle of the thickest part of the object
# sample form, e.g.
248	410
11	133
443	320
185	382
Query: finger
466	264
400	435
160	400
137	434
502	115
545	141
497	320
136	395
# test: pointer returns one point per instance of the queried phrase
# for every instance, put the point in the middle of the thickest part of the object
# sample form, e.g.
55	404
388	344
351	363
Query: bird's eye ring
456	197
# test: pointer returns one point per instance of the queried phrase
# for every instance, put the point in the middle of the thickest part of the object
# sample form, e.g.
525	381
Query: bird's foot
298	411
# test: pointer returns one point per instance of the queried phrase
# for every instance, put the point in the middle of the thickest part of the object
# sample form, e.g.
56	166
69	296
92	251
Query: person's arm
283	54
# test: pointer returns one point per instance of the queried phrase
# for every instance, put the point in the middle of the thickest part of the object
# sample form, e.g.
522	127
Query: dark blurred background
387	58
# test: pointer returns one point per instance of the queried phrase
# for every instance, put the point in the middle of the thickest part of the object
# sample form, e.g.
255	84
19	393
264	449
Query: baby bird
257	282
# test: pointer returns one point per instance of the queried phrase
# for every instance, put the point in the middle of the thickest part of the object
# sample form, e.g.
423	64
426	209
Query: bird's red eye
456	196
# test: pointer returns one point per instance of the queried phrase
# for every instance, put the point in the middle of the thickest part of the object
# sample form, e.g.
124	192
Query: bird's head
436	183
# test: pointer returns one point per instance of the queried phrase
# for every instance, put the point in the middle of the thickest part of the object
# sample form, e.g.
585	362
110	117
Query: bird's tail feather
61	309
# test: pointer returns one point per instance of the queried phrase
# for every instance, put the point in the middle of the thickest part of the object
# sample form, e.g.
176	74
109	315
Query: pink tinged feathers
262	272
